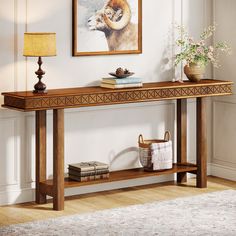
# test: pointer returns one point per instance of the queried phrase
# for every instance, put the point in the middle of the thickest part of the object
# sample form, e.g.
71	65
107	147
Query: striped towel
162	155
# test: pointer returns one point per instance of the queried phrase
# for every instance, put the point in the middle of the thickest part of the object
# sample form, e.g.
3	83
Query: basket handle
167	136
140	139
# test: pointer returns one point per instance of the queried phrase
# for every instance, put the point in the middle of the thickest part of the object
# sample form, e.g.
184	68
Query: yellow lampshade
39	44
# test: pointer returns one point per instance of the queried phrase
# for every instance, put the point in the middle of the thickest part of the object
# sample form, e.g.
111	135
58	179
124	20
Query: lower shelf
130	174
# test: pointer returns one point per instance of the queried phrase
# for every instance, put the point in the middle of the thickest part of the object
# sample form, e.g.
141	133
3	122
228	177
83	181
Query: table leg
201	143
181	137
58	159
40	143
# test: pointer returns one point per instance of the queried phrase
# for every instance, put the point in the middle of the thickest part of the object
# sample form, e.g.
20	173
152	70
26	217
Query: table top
95	96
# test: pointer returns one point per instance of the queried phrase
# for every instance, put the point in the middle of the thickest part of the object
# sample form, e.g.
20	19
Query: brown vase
194	72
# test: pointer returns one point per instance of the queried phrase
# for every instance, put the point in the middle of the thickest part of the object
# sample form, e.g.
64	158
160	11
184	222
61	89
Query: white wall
224	108
107	134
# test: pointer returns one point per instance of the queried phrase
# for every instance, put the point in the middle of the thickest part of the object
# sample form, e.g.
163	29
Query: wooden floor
110	199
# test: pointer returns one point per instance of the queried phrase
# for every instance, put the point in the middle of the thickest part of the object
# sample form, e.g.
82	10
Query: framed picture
107	27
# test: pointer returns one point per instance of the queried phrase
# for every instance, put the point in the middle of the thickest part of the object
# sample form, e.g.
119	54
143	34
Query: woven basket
145	155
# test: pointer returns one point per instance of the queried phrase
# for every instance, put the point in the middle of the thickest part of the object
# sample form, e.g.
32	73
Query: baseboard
17	196
223	171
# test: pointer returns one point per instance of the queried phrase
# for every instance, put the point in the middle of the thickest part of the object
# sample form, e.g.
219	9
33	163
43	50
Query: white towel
162	155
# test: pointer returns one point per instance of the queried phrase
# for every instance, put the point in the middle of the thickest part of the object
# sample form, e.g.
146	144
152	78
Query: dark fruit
126	71
119	71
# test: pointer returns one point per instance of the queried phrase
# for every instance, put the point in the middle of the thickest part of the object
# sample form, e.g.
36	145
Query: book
88	166
130	80
89	178
119	86
79	171
87	173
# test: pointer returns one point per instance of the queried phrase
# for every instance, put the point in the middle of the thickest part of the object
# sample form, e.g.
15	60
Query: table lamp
39	45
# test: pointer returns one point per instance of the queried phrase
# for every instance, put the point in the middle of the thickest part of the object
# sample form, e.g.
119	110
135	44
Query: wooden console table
60	99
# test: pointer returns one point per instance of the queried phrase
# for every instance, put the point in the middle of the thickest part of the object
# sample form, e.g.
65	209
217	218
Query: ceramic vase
194	72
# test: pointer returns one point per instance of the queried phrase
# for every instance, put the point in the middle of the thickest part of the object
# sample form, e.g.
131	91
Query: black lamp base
40	87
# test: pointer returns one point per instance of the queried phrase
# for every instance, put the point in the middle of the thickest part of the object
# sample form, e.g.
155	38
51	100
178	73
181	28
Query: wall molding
214	38
218	160
16	156
17	196
15	44
223	171
220	167
226	99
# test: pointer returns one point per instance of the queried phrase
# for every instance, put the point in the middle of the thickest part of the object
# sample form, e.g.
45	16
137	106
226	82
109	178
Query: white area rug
206	214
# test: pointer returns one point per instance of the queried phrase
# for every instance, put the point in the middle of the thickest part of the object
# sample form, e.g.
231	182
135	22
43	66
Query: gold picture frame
116	28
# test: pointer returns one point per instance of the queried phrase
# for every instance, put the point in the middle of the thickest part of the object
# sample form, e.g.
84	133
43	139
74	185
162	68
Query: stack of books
86	171
115	83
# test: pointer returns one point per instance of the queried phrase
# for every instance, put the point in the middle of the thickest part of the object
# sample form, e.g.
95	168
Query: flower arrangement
198	52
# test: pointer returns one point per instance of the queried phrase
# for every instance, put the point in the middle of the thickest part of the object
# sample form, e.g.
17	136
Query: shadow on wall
119	161
165	67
